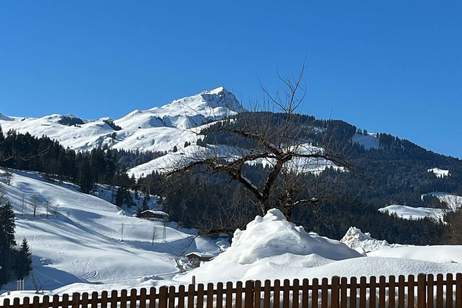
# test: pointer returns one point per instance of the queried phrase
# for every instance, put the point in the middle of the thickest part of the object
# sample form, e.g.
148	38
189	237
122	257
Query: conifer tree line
101	165
15	261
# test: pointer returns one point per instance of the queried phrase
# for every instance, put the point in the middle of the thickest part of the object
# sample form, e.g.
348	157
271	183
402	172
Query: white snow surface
453	202
369	141
439	173
363	242
79	241
270	247
415	213
156	129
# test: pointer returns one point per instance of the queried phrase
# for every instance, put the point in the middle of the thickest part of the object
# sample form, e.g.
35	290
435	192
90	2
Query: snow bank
439	173
270	247
363	242
437	253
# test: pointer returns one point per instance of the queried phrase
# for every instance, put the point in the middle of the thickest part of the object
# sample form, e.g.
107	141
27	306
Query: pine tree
23	261
7	241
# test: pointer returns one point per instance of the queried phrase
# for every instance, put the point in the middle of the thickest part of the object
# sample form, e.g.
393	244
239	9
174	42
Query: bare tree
277	142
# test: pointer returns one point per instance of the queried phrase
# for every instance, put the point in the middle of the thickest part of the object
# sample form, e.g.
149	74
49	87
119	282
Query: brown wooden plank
200	296
64	304
277	294
182	296
401	291
410	291
152	297
191	290
391	292
430	290
334	298
382	291
6	303
449	291
343	292
324	293
220	292
305	292
171	297
16	302
248	294
267	294
210	288
124	299
315	293
286	294
83	300
163	297
373	292
238	294
36	302
94	300
295	293
439	291
46	301
143	298
229	295
113	299
104	300
421	291
26	302
459	290
362	292
257	294
133	295
353	287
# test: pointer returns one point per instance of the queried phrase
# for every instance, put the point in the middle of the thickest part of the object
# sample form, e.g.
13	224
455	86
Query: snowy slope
156	129
79	241
414	213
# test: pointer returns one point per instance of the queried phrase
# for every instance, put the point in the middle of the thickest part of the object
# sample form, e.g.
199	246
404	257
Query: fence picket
191	290
163	297
295	293
248	294
401	293
343	292
209	295
286	294
182	295
229	295
257	294
305	291
152	298
449	292
65	302
325	293
430	290
133	298
113	299
267	294
239	294
143	298
372	291
391	292
362	292
335	292
410	291
353	287
277	294
315	293
382	291
75	301
123	299
439	291
219	295
459	290
200	296
421	291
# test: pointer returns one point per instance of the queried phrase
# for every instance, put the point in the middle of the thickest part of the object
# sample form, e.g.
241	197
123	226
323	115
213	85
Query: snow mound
274	244
363	242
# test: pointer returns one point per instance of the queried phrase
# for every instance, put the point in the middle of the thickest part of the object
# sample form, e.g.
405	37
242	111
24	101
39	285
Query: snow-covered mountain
157	129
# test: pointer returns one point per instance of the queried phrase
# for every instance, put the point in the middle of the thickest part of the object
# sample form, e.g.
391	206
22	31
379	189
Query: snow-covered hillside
156	129
80	238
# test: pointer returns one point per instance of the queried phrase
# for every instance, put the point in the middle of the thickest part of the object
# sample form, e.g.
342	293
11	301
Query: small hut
195	258
154	215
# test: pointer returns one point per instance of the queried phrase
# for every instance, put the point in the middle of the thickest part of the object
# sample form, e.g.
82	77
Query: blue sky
388	66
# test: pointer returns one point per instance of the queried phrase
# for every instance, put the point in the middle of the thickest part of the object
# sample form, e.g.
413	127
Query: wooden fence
425	291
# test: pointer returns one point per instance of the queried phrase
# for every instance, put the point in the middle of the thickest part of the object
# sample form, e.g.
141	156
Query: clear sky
388	66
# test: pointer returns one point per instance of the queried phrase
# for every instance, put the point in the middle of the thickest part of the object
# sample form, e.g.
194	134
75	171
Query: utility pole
122	233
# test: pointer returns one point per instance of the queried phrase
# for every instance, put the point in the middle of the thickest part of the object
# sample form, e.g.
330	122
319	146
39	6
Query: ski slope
78	238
